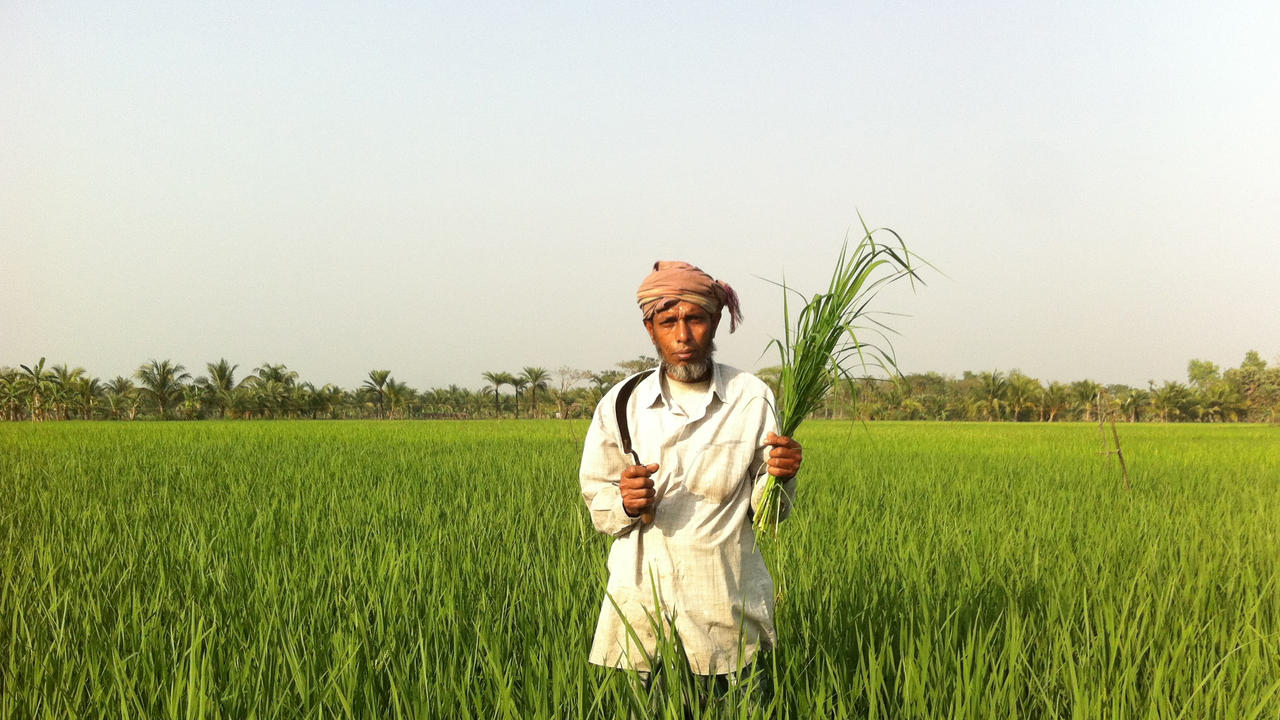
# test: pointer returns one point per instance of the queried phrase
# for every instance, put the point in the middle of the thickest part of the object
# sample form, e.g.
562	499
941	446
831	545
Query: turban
673	281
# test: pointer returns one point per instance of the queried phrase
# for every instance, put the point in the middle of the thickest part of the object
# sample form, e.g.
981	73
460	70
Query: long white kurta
700	553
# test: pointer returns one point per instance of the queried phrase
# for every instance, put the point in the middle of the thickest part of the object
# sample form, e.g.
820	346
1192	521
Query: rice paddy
449	570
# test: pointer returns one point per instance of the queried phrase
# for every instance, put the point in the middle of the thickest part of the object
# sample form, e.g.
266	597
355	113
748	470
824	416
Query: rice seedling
820	348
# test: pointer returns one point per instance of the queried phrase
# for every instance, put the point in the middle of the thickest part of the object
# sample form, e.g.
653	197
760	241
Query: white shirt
700	553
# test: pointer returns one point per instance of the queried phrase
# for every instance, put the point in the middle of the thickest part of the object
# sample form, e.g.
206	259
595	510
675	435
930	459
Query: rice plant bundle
821	348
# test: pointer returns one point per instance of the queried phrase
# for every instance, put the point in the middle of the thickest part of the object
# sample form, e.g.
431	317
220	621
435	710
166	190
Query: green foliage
390	569
819	349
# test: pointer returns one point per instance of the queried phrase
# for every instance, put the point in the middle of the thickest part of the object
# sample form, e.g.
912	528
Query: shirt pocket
719	469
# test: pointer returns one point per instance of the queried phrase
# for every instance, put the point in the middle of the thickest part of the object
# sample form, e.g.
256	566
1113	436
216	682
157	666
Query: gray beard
689	372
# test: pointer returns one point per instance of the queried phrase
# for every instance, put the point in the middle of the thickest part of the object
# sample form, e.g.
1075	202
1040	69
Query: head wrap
672	281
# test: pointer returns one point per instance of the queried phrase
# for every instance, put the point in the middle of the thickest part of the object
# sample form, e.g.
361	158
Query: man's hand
785	457
636	488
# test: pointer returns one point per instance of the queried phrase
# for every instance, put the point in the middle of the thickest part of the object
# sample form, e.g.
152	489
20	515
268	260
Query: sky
445	189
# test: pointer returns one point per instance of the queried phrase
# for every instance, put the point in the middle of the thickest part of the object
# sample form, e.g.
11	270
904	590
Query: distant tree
1171	401
1054	399
87	390
121	396
377	383
272	389
34	387
399	396
518	384
993	390
217	386
641	363
10	394
570	378
606	379
536	379
1022	393
1203	374
162	383
496	380
64	380
1084	398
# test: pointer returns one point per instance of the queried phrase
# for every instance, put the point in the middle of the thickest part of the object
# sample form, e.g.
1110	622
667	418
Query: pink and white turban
673	281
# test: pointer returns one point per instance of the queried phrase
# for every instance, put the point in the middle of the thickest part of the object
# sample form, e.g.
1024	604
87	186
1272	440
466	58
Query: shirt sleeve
600	471
760	466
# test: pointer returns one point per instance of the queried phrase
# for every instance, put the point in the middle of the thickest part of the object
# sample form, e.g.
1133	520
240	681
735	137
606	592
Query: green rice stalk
822	346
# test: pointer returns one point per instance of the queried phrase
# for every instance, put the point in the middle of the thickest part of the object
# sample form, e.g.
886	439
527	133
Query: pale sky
441	190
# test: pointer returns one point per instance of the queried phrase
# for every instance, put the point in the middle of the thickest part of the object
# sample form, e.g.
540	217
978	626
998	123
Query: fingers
635	471
636	489
780	441
785	458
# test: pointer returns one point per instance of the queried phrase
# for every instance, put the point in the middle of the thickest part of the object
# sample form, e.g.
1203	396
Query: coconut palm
328	399
87	391
273	386
399	396
64	379
218	385
162	382
1084	396
121	395
377	384
1171	401
536	378
1022	394
1054	399
992	391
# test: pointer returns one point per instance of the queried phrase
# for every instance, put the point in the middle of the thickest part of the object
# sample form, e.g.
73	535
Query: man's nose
682	331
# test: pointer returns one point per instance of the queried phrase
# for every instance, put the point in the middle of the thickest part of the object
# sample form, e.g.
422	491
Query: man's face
683	334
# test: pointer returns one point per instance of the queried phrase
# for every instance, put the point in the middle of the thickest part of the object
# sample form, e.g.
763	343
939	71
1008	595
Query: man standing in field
685	558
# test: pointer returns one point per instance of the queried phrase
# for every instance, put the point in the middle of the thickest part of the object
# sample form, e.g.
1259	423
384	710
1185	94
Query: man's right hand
636	488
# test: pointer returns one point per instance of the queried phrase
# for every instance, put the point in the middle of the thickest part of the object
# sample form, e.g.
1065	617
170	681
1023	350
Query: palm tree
536	378
992	391
1132	402
517	384
328	398
162	382
120	394
1022	394
1053	400
37	385
377	383
399	395
273	387
219	384
87	391
495	380
1084	394
11	393
64	379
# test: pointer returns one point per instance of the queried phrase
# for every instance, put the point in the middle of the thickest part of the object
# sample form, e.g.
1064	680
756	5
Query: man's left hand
785	457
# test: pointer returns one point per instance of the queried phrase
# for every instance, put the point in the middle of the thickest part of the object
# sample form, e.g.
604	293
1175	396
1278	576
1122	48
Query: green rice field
439	569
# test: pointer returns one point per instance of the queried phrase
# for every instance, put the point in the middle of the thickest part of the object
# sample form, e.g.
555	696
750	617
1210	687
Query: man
685	558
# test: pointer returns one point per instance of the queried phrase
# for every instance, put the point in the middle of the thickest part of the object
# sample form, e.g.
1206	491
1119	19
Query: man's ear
648	325
715	324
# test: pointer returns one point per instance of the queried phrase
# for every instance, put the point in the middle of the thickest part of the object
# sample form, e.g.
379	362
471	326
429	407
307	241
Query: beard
692	371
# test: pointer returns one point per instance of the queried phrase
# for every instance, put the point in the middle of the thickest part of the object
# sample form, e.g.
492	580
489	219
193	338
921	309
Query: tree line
162	389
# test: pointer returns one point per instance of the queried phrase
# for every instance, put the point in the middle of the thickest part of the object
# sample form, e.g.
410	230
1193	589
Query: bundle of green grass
823	347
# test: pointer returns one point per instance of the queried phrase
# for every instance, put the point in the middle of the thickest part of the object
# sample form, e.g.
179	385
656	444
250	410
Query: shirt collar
649	391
